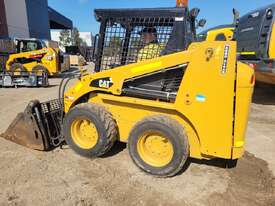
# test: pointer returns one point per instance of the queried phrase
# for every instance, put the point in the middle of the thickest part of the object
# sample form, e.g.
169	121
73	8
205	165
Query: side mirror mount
202	23
236	15
195	12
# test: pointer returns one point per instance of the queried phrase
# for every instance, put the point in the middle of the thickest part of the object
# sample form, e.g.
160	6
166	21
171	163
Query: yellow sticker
248	53
78	87
146	67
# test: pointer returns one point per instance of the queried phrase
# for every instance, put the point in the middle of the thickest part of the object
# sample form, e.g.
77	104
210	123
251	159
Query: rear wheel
43	73
90	130
39	70
18	70
159	146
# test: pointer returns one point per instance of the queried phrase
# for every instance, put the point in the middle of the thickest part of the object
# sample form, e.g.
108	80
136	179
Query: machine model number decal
225	59
104	83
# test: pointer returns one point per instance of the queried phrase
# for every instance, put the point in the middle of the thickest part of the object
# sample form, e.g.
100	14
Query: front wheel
159	146
90	130
18	69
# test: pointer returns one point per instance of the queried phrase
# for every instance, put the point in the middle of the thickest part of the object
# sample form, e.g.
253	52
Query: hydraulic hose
61	92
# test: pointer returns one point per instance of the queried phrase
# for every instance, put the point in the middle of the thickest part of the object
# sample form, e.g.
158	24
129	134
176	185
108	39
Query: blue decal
200	98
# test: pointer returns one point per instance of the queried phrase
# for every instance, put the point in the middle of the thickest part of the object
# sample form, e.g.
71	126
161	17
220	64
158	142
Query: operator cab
120	42
27	45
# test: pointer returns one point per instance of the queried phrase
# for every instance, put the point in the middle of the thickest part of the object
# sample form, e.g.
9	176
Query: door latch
209	53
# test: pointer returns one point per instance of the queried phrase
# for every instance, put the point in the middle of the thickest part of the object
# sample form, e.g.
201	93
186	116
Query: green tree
114	47
78	42
76	39
65	38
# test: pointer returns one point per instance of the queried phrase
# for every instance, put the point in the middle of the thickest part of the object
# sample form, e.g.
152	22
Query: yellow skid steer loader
34	55
189	100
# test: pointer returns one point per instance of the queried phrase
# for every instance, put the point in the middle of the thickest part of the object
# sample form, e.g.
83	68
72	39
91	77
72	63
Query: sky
216	12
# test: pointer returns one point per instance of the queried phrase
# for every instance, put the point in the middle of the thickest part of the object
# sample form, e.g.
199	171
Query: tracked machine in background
167	107
255	36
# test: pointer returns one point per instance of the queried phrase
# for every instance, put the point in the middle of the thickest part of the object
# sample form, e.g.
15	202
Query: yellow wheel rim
84	133
17	71
155	149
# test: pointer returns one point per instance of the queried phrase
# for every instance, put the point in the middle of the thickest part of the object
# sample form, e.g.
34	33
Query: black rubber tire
104	123
20	67
42	71
41	68
230	164
173	131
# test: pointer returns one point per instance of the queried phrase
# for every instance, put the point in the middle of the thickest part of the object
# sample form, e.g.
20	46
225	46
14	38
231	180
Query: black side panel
161	85
248	32
253	32
266	33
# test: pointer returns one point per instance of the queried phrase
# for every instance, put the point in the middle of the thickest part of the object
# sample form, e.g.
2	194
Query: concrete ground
61	177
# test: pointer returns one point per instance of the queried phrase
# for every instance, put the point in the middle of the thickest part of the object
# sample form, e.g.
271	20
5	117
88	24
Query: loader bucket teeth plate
24	131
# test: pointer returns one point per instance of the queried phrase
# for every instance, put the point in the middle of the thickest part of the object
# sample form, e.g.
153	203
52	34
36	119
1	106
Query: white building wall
55	35
17	20
86	36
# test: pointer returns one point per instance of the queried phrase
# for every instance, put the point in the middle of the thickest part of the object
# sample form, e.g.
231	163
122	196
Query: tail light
253	79
253	66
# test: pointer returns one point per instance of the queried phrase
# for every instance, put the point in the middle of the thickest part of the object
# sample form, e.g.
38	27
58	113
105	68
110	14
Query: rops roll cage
118	42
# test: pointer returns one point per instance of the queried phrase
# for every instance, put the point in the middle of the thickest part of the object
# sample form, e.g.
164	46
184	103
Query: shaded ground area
61	177
251	183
